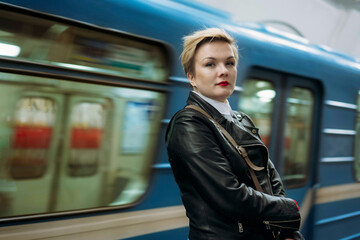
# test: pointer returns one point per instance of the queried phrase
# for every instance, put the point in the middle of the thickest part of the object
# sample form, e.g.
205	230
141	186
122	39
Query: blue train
75	162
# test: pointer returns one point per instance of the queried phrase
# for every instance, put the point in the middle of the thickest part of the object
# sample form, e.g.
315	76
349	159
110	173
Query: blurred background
88	88
333	23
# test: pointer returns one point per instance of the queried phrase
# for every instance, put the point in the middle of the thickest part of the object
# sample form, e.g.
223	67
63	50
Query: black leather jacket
216	188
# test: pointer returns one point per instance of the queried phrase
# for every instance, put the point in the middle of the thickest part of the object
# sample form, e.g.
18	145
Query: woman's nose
223	70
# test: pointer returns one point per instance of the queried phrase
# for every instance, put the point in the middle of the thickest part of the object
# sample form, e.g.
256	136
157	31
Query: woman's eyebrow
213	58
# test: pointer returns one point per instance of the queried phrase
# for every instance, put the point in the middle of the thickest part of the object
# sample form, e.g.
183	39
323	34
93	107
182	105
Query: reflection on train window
87	127
70	145
32	136
296	151
258	102
357	141
45	41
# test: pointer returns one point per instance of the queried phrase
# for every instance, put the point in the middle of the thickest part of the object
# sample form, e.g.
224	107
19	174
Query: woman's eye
209	64
230	63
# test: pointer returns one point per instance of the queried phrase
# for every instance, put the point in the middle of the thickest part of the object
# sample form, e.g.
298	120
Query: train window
357	141
32	136
87	126
296	151
258	102
136	126
67	146
45	41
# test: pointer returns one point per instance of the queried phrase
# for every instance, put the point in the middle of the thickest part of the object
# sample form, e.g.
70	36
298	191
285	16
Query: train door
301	123
286	110
298	162
85	148
30	153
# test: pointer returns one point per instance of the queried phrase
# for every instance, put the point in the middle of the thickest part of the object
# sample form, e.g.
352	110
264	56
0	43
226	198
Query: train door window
32	135
258	102
357	141
87	128
297	140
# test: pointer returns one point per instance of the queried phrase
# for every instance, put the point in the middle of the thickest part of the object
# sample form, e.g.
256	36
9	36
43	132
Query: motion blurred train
87	89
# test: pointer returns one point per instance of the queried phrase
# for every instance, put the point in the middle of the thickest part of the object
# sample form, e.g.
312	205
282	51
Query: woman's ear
191	78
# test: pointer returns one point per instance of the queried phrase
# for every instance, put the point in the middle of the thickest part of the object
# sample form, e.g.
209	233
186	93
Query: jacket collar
195	99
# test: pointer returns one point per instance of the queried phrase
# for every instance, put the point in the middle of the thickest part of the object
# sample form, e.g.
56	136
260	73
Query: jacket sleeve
296	235
193	145
276	183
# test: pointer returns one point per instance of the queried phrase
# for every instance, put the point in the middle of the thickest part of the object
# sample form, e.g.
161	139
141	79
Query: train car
87	89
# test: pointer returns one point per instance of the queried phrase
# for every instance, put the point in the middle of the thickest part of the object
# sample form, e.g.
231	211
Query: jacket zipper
268	224
241	228
282	221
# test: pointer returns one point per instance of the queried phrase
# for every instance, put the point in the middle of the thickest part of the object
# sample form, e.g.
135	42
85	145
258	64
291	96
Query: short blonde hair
193	41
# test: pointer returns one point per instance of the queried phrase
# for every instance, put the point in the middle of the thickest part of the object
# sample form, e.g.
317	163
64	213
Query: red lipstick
223	83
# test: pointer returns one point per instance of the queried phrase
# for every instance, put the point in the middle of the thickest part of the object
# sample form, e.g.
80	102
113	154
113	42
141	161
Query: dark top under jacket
216	188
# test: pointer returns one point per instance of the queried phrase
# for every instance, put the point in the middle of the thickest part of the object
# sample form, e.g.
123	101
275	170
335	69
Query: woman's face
214	71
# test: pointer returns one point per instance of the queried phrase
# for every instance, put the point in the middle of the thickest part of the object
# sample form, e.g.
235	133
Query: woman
216	187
